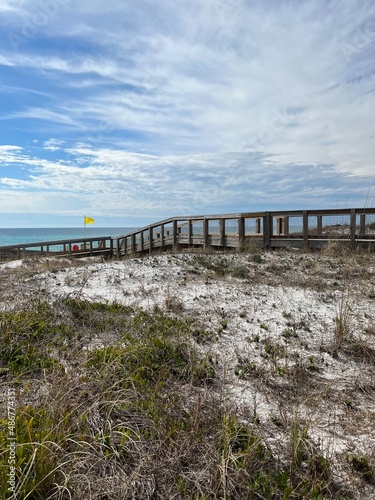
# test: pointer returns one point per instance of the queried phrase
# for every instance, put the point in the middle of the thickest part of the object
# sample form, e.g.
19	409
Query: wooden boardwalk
278	229
82	247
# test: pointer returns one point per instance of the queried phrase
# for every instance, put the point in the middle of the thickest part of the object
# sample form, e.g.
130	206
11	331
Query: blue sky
134	111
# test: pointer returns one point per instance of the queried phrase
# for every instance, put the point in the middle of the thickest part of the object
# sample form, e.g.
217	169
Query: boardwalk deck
278	229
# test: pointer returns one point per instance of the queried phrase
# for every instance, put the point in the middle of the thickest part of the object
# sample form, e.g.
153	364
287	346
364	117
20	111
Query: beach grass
141	397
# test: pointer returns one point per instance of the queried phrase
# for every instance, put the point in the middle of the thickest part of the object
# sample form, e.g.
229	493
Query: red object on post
75	248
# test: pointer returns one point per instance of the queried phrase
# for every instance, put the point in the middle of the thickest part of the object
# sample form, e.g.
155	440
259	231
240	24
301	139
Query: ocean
16	236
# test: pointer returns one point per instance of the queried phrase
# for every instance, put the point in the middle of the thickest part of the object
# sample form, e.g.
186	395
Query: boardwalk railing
295	228
82	247
278	229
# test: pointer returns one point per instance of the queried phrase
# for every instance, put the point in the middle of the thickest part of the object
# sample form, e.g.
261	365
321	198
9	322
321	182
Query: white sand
288	292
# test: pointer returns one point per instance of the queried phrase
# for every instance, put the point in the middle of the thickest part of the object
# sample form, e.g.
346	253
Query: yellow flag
89	220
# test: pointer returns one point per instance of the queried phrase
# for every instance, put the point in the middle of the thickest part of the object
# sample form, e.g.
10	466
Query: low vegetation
139	398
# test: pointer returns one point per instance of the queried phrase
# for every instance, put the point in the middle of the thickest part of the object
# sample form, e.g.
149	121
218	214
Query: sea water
17	236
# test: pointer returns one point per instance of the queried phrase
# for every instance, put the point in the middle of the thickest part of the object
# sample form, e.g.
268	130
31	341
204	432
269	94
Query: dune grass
116	402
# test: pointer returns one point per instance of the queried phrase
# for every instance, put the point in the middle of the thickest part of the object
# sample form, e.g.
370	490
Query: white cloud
197	87
110	181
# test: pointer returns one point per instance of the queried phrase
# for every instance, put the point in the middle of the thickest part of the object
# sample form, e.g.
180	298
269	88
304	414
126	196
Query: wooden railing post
362	224
305	228
285	226
267	230
222	232
174	231
279	225
125	245
257	225
190	232
162	235
133	244
319	224
205	233
150	239
353	227
241	232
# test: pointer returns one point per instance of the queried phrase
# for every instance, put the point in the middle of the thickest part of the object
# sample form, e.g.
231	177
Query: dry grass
162	400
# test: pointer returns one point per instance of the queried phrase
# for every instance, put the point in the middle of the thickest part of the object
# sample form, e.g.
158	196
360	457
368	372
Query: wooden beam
267	230
190	232
222	232
174	233
305	229
319	224
205	233
241	231
133	244
362	224
353	227
150	239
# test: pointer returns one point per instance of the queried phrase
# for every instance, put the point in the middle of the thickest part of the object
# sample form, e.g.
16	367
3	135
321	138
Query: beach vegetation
122	401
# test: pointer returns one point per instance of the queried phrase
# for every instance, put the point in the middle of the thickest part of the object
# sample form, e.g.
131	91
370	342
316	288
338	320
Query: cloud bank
134	111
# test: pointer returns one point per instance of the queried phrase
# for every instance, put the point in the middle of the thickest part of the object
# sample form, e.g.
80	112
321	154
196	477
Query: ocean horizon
17	236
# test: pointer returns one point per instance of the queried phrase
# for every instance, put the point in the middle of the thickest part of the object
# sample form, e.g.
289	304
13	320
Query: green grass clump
159	358
361	464
139	415
27	338
247	369
241	272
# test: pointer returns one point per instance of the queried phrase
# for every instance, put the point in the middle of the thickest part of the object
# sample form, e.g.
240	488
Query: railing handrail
168	232
54	242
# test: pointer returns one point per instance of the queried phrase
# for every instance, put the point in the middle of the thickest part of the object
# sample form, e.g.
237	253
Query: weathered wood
150	239
353	226
205	233
133	244
190	232
162	235
175	233
222	232
319	224
241	231
267	230
179	230
305	228
362	224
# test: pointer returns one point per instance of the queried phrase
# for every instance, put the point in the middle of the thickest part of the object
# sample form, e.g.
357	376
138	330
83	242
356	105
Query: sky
131	112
